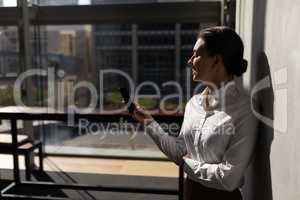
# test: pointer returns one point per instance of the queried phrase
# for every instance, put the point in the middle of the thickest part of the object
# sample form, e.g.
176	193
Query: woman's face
202	63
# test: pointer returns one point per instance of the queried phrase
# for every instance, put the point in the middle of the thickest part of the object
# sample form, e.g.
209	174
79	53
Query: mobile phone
125	94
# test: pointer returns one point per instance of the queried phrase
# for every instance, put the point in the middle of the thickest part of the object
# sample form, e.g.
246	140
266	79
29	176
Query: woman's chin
195	78
198	78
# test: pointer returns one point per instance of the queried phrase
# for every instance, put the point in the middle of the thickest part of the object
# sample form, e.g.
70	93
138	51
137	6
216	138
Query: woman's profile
217	136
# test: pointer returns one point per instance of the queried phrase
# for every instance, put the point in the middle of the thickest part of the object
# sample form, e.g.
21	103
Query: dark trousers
196	191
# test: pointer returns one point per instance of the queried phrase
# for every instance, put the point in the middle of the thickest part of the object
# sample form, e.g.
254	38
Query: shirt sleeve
228	174
173	147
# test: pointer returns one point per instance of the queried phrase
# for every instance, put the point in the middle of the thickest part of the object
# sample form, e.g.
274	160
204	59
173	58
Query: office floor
148	174
101	166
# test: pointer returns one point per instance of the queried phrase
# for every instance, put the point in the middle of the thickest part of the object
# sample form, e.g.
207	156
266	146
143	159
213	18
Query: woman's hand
141	115
187	156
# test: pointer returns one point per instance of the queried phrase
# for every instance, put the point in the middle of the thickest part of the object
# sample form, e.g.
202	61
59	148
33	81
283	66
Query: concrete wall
282	46
270	29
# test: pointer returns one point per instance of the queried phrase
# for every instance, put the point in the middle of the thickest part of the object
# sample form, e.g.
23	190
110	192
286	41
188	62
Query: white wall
271	29
282	46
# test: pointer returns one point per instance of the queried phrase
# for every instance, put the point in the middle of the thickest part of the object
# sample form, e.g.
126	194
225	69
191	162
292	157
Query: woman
217	136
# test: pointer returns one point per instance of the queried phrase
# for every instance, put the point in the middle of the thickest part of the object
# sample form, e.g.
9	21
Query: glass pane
8	3
9	62
88	64
109	56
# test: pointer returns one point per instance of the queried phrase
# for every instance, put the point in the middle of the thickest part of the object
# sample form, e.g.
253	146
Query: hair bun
242	67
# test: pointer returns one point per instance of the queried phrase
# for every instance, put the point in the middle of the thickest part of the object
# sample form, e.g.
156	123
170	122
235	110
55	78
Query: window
135	46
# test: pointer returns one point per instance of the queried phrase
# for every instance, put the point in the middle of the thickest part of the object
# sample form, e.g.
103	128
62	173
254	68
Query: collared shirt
219	142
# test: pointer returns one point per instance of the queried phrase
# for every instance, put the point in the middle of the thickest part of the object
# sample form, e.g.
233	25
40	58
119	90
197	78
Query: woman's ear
218	60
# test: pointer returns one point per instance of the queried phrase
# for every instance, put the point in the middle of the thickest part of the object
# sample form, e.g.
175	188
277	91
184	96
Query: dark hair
224	41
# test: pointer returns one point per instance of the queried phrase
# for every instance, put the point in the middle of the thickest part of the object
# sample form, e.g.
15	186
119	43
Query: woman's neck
219	82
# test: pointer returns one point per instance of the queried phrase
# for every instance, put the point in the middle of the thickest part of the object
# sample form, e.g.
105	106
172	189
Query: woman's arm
173	147
228	174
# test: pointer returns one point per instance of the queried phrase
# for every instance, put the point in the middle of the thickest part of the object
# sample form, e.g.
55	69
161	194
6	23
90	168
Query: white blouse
219	142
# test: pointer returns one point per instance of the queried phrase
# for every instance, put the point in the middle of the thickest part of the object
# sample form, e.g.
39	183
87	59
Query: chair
26	147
